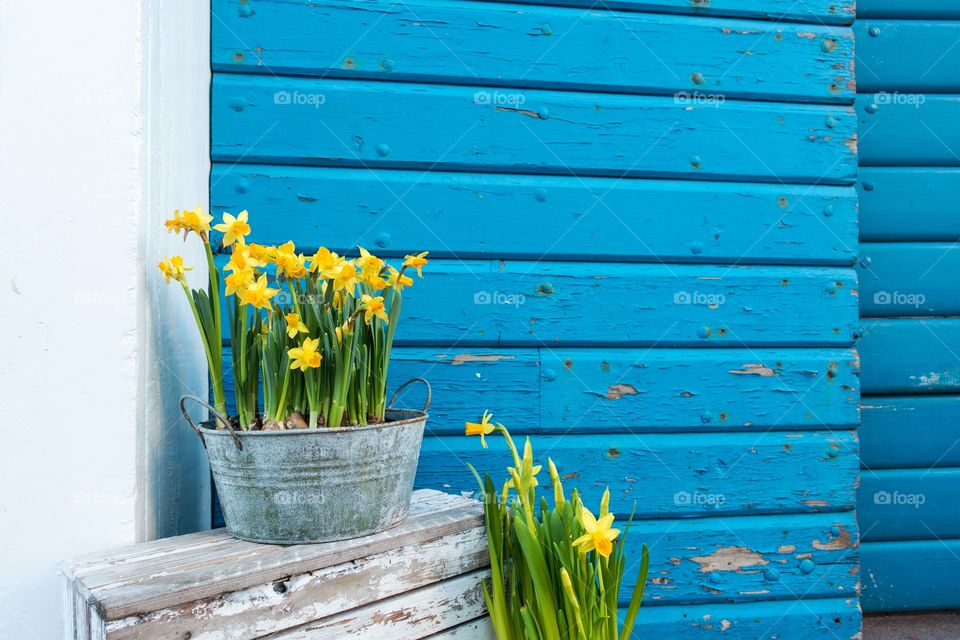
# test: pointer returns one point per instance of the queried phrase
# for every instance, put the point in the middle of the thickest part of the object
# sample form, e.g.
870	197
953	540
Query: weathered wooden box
418	580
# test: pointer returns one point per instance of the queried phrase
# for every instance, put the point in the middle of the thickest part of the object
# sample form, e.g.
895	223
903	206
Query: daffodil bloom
261	253
239	281
259	294
345	278
373	306
416	262
190	220
295	325
233	228
599	536
368	262
325	262
397	280
482	428
242	258
306	355
173	268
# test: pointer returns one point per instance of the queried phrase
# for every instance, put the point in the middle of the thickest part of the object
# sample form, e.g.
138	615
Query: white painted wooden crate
418	580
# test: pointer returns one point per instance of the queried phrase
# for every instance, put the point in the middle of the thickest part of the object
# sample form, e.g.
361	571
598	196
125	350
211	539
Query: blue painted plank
910	356
909	204
909	504
629	390
724	390
813	11
910	431
675	475
909	9
909	130
743	559
486	42
828	619
464	215
904	576
909	279
397	125
499	303
930	66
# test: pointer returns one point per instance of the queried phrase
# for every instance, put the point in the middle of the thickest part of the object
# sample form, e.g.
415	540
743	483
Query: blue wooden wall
908	78
642	221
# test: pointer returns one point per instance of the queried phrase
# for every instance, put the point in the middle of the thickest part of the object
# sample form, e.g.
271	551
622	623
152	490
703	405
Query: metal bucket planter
314	485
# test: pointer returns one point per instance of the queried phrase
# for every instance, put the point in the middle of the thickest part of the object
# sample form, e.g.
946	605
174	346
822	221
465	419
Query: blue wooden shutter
642	225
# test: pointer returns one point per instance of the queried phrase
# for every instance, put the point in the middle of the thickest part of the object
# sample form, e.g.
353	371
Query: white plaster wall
103	129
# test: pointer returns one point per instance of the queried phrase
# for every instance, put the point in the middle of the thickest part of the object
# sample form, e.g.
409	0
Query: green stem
219	399
281	404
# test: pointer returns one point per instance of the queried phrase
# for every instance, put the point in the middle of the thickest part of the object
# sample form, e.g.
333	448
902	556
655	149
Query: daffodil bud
558	498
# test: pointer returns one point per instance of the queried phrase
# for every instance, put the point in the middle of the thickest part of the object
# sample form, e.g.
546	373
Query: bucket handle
406	384
216	414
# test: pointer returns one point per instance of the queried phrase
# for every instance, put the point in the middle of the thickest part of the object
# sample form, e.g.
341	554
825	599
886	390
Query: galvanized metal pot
314	485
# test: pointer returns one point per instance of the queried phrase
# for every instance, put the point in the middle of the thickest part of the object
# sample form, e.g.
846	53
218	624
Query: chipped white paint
412	581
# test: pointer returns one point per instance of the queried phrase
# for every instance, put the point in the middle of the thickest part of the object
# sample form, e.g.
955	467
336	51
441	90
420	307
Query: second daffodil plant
556	571
315	331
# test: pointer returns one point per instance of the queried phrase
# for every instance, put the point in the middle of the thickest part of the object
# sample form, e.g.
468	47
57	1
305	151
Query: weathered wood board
918	432
909	504
558	391
910	355
370	40
416	579
911	575
909	204
499	303
908	9
463	215
676	475
927	62
909	129
909	279
455	128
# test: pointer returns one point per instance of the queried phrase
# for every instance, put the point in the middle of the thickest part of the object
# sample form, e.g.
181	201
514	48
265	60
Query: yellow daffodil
258	294
325	262
416	262
368	261
233	228
289	263
261	253
397	280
482	428
373	306
306	355
294	325
190	220
345	278
599	535
239	281
173	268
242	258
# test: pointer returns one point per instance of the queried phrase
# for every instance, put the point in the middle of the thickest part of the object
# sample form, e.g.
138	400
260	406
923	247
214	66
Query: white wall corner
104	123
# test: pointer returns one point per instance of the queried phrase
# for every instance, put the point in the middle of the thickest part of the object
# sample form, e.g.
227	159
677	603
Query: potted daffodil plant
556	571
314	452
